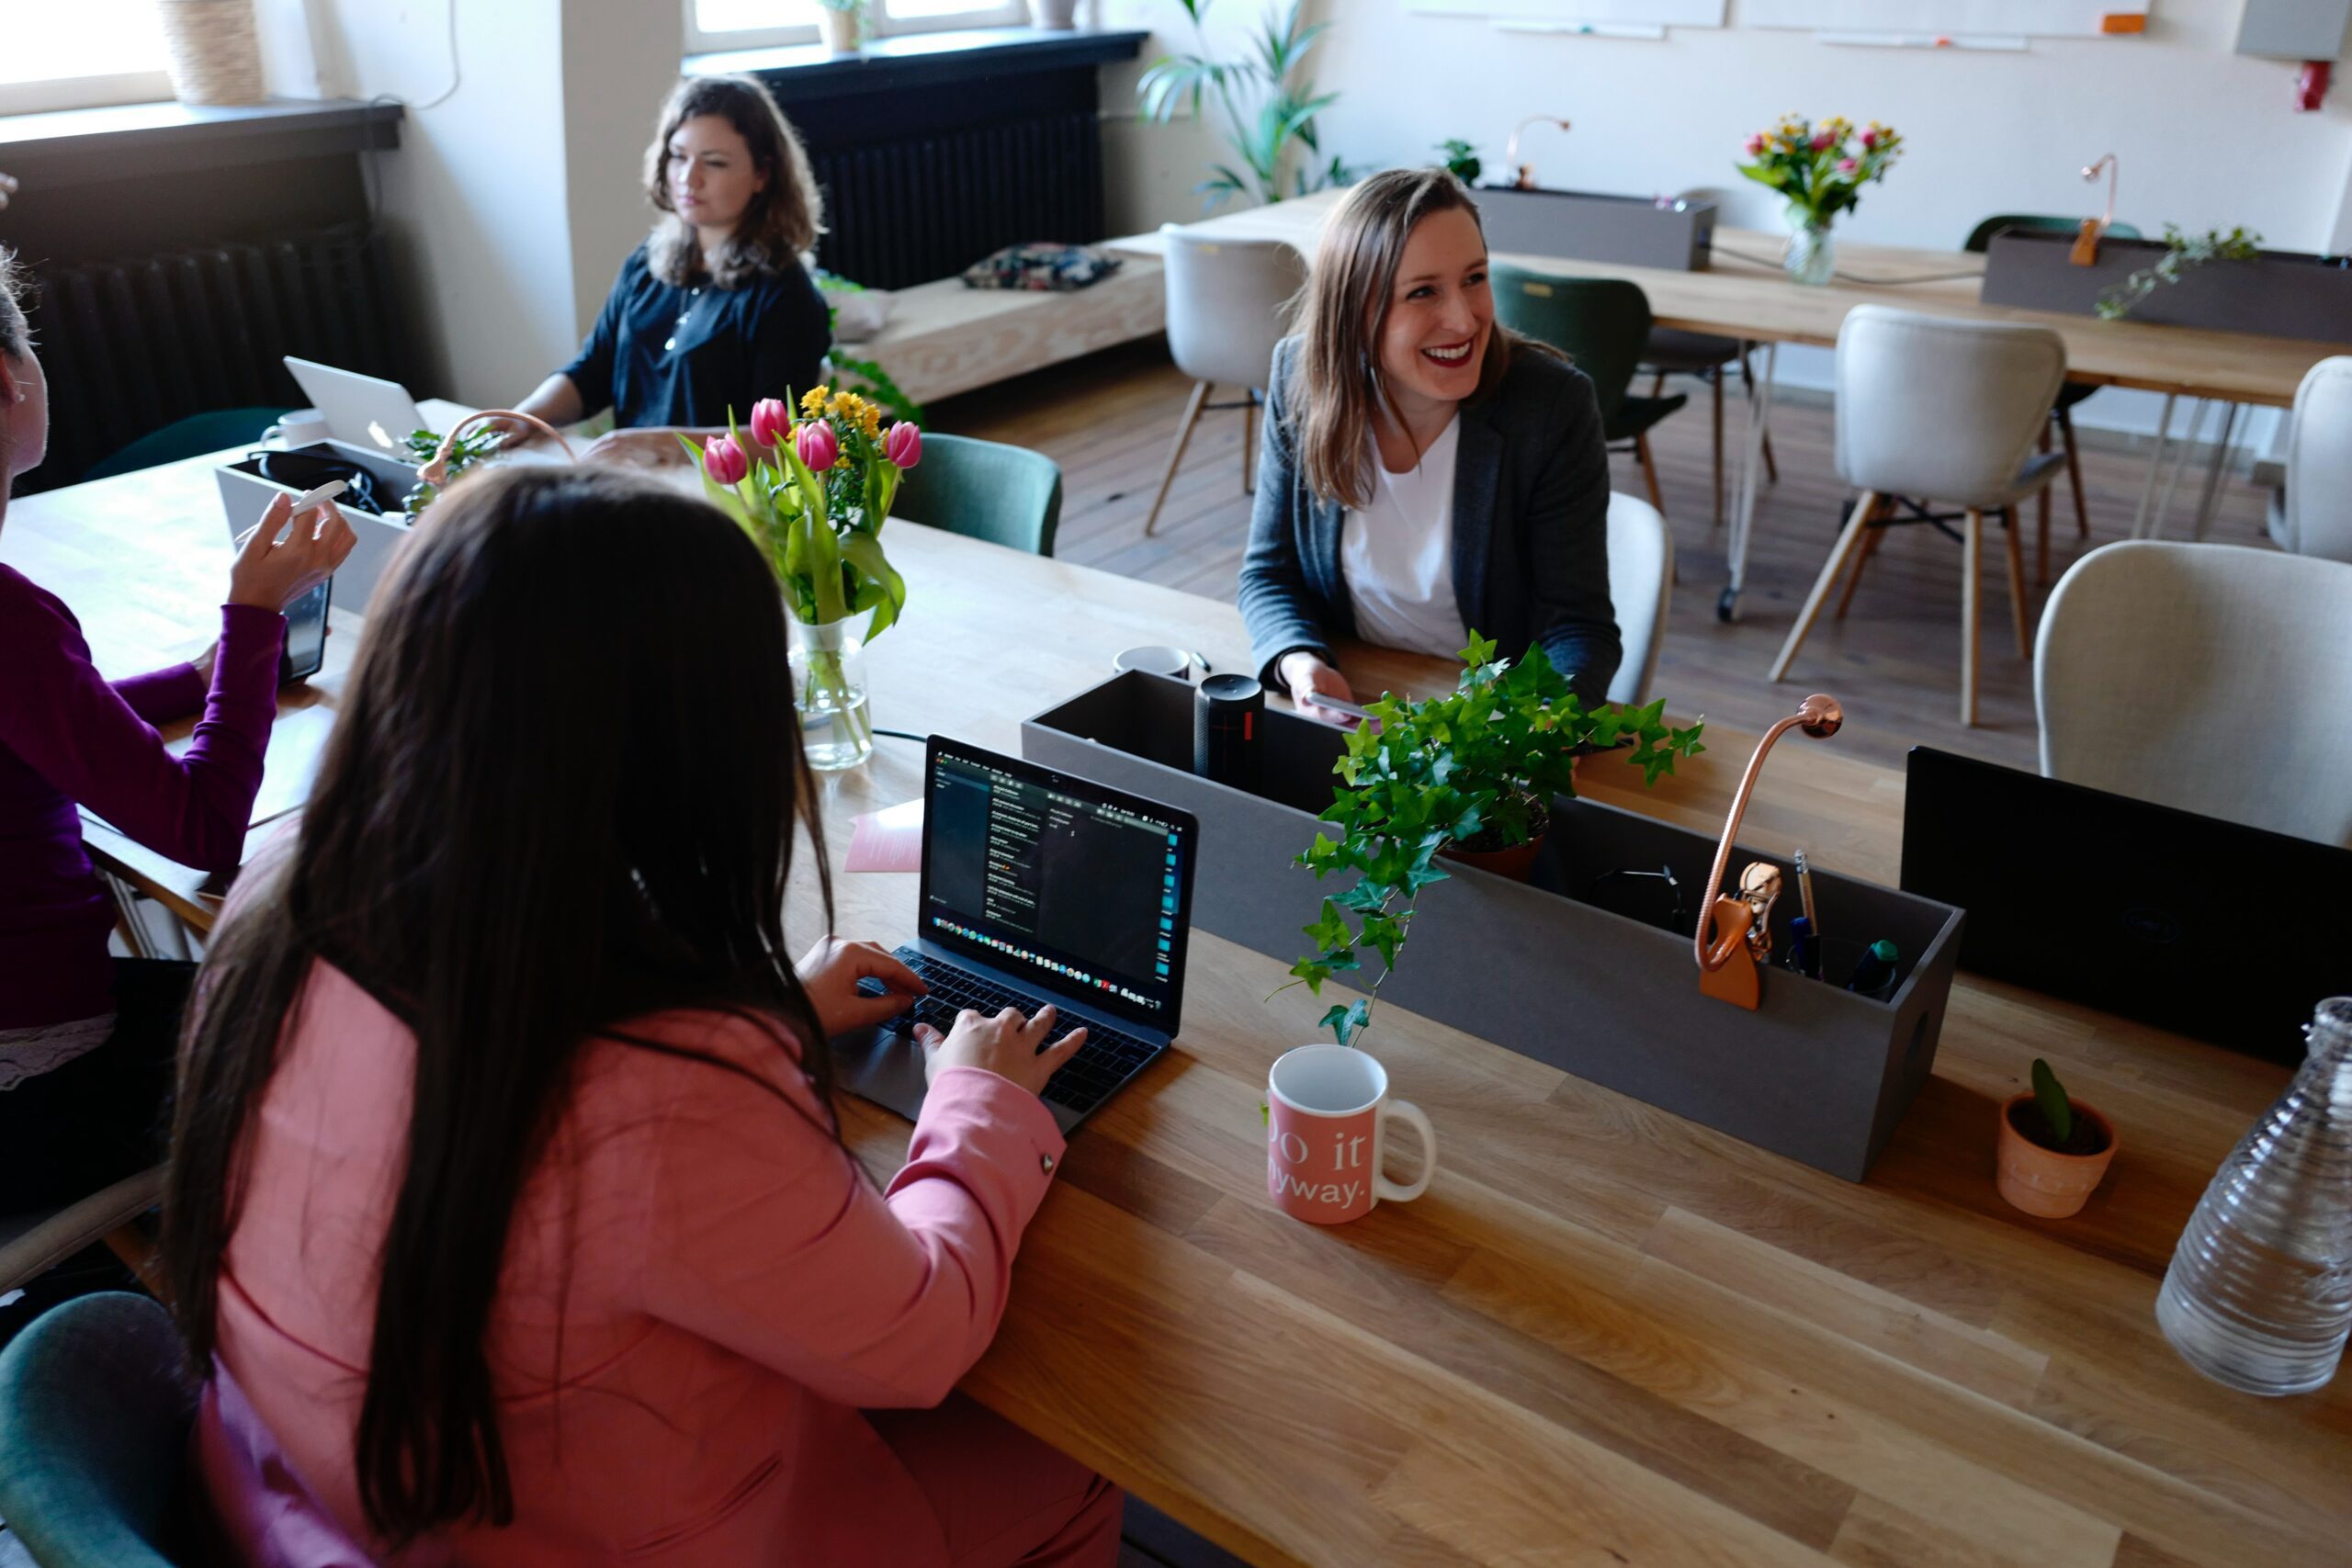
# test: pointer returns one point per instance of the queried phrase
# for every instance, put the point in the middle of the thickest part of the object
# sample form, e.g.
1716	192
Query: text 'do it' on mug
1327	1114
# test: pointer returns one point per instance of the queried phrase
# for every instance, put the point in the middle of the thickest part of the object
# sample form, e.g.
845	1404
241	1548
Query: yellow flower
812	401
869	420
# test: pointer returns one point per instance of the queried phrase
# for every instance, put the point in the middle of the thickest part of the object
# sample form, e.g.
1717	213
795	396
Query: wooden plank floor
1894	661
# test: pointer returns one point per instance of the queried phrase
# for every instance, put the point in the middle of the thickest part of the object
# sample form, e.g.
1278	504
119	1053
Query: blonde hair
783	221
1335	384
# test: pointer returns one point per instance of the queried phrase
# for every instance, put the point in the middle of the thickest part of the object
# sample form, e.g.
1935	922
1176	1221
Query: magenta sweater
67	738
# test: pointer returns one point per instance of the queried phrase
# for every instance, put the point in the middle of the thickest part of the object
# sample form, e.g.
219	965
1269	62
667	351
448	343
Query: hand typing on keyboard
1006	1045
856	984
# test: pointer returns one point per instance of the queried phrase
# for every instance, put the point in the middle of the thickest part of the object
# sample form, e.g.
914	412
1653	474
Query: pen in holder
1727	965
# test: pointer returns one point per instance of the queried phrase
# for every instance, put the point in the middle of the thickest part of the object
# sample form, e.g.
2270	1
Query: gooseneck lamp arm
2113	168
1819	716
436	472
1523	174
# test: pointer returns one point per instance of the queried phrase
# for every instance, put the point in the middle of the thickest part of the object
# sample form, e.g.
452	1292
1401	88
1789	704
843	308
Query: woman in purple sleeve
87	1040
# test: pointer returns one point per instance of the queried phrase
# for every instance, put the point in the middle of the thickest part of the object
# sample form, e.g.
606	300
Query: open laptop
361	411
2209	929
1039	886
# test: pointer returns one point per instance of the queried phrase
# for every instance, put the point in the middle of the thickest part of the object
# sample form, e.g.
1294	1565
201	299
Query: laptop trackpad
881	1065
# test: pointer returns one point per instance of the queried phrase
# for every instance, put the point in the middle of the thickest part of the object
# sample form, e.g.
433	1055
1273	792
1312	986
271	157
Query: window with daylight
71	57
763	24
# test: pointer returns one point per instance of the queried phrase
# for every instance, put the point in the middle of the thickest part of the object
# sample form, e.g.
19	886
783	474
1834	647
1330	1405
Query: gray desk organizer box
2280	293
1817	1073
1631	231
243	494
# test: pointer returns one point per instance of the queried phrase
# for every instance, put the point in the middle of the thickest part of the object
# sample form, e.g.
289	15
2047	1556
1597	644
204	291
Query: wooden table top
1745	294
1606	1335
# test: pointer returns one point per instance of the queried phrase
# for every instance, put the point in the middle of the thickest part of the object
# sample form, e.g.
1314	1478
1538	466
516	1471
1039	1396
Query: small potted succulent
2053	1148
1469	777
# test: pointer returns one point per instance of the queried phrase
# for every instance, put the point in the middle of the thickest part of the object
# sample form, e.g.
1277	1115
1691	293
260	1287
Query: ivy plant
420	447
2181	251
1477	769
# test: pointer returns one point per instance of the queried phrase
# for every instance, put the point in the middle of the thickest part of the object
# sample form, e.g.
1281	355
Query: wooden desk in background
1745	295
1607	1333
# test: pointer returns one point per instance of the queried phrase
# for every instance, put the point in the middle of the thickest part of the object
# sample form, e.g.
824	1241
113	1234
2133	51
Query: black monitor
2209	929
1043	874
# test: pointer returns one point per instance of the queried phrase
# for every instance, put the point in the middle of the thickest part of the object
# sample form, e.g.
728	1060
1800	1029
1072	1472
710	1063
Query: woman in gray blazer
1425	472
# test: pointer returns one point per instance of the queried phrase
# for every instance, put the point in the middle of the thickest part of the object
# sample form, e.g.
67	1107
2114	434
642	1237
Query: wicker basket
212	52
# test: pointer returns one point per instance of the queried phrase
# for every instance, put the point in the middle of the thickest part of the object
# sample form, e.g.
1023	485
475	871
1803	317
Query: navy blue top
661	354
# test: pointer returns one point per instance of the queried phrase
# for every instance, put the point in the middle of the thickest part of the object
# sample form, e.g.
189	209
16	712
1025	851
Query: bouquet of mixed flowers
1821	169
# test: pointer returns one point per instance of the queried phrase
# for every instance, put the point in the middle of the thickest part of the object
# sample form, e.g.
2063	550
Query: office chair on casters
1930	408
1229	305
1601	324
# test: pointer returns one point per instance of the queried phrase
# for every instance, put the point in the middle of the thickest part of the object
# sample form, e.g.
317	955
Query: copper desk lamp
1727	967
1523	174
2086	251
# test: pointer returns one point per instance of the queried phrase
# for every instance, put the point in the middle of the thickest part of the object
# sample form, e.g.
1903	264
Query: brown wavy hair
1335	382
783	221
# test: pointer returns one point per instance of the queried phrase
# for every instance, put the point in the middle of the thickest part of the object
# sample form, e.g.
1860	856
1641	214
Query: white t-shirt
1397	555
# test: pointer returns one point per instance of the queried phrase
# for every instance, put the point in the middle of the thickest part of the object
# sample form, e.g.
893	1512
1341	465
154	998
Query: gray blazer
1531	529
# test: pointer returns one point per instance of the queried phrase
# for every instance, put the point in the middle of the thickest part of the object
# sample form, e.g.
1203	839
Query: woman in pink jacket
507	1199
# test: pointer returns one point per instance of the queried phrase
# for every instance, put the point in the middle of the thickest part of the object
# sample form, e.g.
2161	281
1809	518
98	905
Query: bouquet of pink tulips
813	494
1821	169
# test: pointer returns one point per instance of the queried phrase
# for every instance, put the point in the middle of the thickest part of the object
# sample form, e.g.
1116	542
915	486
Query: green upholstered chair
190	437
1603	324
984	490
95	1411
2073	392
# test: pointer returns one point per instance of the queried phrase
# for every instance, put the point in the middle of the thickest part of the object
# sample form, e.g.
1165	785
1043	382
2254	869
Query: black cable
904	735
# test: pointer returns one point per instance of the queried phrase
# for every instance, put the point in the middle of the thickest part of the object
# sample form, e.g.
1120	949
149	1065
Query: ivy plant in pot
1470	777
2053	1148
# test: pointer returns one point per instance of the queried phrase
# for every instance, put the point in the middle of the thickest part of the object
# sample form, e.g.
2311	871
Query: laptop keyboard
1108	1058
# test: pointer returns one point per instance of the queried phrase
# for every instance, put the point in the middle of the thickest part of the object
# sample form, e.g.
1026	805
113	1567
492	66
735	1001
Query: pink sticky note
887	840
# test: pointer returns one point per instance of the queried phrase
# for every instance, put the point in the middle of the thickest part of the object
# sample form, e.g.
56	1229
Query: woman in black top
715	310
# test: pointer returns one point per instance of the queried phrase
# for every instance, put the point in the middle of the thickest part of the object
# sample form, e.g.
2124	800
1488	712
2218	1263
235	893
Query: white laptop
362	410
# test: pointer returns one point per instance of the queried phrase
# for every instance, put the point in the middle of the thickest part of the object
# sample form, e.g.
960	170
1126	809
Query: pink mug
1328	1111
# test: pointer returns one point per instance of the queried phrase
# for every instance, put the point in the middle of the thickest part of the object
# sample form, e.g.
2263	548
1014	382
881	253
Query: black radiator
130	346
923	208
931	159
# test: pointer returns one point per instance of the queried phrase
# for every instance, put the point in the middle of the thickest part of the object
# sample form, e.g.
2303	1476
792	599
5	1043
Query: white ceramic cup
1173	663
301	428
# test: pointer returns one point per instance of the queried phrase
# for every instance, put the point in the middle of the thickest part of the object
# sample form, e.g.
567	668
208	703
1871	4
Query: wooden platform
943	338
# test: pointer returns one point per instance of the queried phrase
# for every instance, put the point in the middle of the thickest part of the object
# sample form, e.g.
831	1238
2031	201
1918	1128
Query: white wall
511	204
2206	138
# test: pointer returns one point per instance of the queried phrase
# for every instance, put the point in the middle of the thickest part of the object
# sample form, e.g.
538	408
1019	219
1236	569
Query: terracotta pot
1514	863
840	29
2044	1181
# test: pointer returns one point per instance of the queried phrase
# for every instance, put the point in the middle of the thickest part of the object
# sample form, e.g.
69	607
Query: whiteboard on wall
2031	17
1639	13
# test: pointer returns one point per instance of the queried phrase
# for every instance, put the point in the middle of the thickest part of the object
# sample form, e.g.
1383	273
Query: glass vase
1810	256
2259	1294
829	693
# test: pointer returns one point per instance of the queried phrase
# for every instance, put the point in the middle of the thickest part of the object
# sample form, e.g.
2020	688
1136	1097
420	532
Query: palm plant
1268	101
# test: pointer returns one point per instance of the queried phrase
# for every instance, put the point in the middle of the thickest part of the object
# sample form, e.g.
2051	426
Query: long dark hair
782	221
560	793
